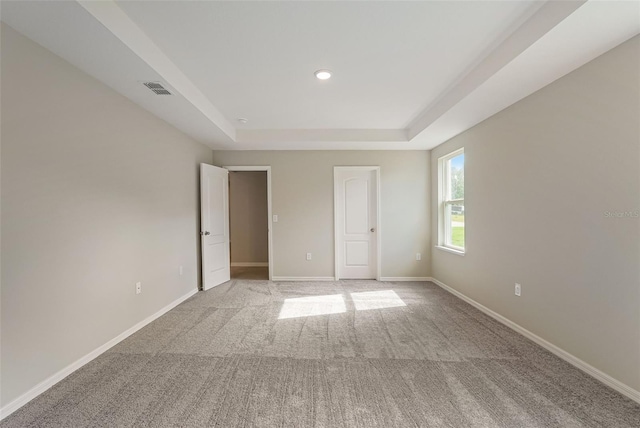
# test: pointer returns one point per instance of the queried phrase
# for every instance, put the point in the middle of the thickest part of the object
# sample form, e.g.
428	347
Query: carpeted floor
254	353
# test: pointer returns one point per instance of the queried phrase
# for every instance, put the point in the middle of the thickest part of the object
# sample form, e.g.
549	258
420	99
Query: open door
214	225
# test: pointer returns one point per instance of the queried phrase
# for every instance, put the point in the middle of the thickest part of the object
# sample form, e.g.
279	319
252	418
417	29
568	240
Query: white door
214	225
356	218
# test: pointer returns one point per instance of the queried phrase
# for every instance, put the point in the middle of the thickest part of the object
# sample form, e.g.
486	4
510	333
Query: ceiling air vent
157	88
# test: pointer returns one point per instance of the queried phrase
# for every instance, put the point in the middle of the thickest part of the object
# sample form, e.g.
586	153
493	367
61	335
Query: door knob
372	229
205	233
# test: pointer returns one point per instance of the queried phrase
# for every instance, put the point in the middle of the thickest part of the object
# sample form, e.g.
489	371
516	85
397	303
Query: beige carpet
254	353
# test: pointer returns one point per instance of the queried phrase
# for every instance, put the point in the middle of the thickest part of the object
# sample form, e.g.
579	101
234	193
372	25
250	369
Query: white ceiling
407	75
256	60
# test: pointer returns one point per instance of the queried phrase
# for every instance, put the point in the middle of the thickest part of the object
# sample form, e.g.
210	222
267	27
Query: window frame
445	201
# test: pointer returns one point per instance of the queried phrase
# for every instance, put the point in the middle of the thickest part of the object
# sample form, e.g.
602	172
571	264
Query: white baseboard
48	383
611	382
250	264
331	278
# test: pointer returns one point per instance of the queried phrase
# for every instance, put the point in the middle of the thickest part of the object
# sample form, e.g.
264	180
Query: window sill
450	250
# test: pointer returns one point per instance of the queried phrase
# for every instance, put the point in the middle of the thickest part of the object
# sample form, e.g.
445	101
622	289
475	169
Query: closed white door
356	218
214	225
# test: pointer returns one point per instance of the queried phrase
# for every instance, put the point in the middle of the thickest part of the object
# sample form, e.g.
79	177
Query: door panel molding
338	232
214	225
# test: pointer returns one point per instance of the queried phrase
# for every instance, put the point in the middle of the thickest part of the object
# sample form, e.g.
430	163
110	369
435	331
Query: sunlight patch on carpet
312	306
376	300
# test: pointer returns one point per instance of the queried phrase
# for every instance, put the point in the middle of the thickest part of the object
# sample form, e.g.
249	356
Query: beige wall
540	177
97	194
302	189
248	225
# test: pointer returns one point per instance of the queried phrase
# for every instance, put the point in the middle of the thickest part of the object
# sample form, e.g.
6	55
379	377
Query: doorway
357	222
249	222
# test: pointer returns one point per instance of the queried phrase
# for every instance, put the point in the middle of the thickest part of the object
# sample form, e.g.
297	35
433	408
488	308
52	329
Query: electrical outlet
138	287
418	256
308	256
518	289
181	270
275	218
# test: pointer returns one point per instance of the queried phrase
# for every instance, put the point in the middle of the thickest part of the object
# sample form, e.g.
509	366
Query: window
451	201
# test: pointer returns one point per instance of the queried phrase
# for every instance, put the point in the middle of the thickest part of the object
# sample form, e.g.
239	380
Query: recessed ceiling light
243	120
323	74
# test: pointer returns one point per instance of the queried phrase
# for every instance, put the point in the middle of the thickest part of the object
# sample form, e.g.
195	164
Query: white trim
450	250
250	264
444	181
57	377
303	278
336	238
378	218
615	384
269	210
378	225
405	278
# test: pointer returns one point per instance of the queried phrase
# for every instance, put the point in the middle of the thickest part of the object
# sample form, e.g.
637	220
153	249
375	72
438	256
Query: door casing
269	215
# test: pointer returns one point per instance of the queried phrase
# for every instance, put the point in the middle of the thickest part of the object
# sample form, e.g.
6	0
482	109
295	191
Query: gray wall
97	194
540	177
248	225
302	188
